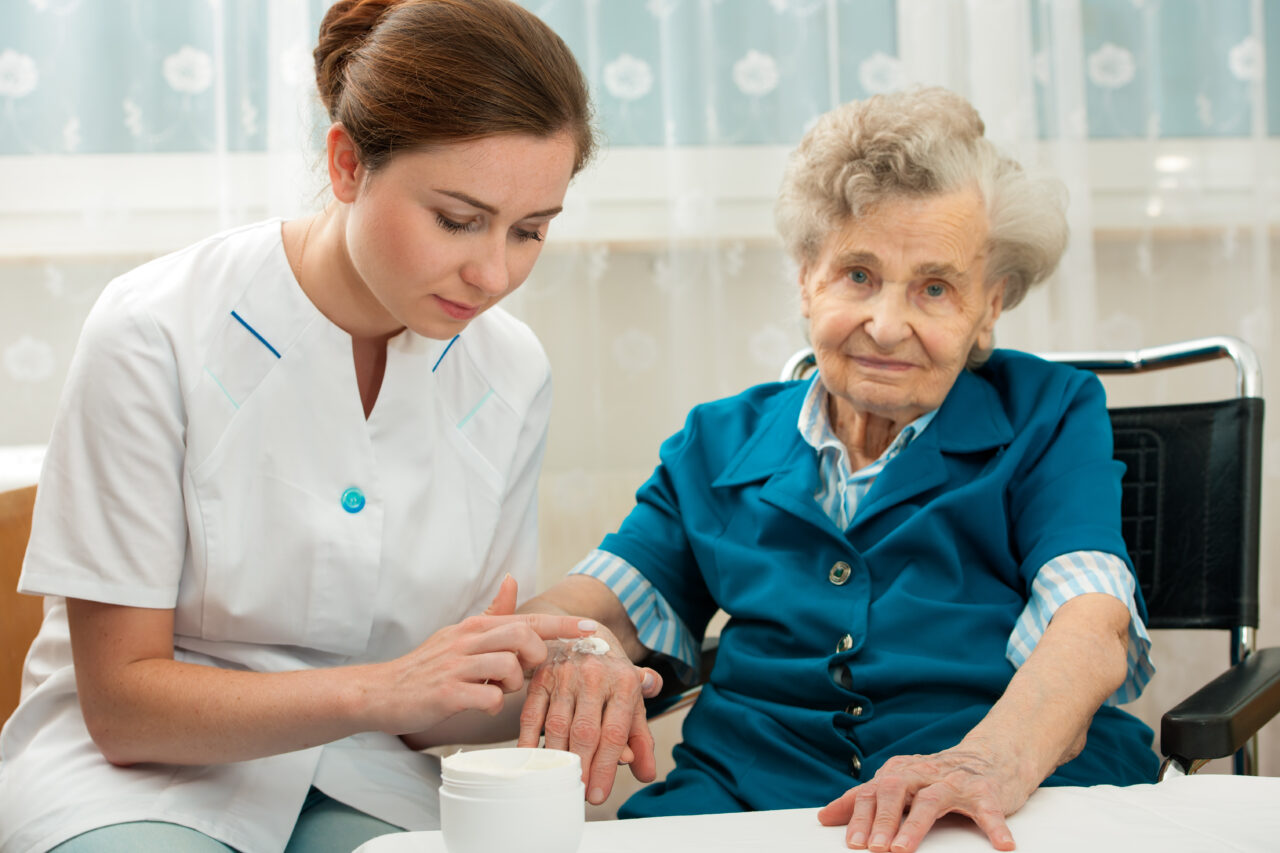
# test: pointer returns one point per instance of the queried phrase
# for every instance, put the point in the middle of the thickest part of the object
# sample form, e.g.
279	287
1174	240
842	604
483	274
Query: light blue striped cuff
658	627
1077	573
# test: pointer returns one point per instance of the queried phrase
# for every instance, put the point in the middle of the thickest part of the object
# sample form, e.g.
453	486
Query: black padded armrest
674	691
1217	719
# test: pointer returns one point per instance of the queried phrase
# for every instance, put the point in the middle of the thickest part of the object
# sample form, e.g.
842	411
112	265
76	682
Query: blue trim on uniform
475	408
443	354
254	332
217	382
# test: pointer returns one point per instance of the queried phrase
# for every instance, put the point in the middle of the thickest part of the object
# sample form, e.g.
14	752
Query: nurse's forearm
140	705
582	595
178	713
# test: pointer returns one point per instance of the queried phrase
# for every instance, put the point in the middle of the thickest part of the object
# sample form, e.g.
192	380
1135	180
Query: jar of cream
517	799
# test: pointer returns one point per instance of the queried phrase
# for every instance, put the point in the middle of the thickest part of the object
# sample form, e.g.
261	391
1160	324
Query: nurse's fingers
513	636
550	627
479	696
500	668
504	603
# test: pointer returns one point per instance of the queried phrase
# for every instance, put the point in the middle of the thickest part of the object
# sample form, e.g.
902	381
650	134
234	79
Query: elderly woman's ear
995	304
801	276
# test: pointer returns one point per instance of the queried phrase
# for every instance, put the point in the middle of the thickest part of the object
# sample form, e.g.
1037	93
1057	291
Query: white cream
591	646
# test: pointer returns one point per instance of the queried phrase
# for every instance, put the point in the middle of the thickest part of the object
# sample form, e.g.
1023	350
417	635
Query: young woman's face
439	236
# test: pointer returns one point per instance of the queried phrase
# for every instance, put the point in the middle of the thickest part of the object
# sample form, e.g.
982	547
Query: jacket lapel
777	455
971	420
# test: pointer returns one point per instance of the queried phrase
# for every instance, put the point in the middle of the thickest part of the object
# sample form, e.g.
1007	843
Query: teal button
353	500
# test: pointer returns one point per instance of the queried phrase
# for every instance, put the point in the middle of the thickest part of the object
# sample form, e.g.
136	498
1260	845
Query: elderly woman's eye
934	290
859	276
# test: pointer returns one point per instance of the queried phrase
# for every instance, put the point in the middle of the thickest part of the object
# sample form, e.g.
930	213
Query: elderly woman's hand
895	810
593	705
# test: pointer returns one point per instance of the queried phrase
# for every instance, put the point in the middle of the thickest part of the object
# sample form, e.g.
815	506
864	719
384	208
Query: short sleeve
655	539
109	522
1078	573
658	628
1068	497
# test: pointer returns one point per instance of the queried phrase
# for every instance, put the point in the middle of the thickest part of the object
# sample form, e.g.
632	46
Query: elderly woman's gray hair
920	142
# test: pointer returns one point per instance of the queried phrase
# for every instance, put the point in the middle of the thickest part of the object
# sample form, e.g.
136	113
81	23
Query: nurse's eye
524	235
859	276
454	227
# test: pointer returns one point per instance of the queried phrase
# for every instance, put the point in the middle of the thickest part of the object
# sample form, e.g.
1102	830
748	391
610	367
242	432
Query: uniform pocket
286	566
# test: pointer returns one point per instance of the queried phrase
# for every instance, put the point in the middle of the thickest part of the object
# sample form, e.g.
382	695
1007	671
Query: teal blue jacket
824	673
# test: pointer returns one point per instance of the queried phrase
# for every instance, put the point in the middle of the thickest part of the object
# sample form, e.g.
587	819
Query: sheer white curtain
663	284
129	129
202	120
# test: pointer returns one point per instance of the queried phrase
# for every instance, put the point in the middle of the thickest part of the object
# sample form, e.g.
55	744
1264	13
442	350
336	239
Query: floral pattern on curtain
129	127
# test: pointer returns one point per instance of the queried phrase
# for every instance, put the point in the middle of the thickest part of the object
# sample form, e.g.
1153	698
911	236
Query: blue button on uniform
353	500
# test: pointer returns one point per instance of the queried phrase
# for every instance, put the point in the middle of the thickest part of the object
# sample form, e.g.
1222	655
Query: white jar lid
512	765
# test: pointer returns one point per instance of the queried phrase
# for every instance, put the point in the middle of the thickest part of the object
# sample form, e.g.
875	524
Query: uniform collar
971	419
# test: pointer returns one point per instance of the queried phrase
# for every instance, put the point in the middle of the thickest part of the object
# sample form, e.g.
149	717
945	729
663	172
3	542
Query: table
1193	814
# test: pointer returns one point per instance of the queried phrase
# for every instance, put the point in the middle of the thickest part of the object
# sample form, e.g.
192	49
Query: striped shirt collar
815	428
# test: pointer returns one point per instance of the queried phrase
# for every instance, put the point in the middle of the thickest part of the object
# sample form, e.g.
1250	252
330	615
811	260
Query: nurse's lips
457	310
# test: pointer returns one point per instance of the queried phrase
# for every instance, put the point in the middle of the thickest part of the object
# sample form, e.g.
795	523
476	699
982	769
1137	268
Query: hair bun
342	31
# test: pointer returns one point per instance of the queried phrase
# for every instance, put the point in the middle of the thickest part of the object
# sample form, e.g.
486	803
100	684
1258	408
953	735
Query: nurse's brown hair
406	75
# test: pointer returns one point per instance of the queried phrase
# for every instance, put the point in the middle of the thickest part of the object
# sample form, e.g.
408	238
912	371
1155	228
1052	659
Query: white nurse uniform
211	455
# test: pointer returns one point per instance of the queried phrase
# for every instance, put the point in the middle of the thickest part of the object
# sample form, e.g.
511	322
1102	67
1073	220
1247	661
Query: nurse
293	464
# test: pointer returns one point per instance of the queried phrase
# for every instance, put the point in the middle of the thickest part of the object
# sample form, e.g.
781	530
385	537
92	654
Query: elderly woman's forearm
580	595
1042	719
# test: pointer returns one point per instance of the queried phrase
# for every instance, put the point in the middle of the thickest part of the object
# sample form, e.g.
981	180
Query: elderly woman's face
896	301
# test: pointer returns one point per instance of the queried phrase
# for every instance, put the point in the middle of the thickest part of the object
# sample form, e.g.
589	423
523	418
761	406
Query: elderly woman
918	550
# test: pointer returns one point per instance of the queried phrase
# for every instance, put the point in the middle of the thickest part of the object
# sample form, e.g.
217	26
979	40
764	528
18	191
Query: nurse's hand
468	666
593	705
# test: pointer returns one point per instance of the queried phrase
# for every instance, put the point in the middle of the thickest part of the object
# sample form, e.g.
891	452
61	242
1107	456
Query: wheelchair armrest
1217	719
675	694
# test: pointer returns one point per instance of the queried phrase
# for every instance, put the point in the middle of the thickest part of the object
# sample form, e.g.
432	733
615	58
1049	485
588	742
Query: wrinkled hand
593	705
967	780
467	666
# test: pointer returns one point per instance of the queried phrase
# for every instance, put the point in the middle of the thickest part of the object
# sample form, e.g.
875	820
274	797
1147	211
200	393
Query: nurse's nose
889	322
487	268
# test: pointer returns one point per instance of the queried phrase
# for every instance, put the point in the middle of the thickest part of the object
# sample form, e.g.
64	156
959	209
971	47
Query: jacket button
854	710
846	643
855	765
840	573
353	500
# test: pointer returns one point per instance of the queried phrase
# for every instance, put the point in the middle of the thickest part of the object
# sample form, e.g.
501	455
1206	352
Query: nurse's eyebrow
490	209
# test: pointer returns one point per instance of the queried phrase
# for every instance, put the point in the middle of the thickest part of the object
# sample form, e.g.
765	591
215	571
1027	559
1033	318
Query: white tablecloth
1197	814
